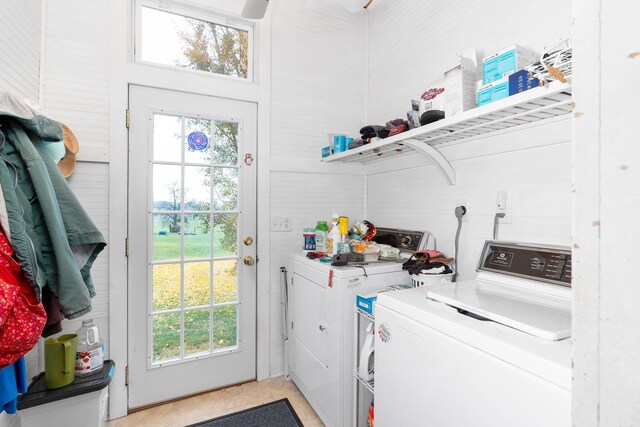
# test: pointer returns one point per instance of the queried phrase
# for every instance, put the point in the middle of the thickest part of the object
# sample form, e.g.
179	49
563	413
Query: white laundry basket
418	280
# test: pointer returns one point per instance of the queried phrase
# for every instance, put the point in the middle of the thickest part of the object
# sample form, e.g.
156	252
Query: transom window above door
199	42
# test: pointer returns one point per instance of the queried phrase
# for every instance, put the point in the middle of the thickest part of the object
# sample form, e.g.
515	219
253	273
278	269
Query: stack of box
496	72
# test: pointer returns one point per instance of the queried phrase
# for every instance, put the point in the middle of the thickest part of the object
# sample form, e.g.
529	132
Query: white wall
532	165
75	75
21	33
75	82
317	65
606	306
59	56
20	60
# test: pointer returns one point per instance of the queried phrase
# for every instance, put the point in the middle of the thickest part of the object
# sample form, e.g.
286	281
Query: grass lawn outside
166	295
167	247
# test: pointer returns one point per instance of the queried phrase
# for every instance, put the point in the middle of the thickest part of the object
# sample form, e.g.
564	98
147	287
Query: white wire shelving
535	105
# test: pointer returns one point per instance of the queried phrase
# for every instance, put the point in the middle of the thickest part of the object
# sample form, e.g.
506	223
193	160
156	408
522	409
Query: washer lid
543	316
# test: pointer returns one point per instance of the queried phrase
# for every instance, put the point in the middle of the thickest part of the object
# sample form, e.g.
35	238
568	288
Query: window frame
187	11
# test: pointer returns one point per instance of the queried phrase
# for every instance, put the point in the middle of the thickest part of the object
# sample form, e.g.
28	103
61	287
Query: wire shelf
367	384
366	315
538	104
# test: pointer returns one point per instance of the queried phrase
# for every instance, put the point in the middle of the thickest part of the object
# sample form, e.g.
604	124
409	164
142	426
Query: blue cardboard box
326	151
506	62
493	91
520	81
366	303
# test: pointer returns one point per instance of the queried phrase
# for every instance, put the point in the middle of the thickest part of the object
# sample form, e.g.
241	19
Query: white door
192	222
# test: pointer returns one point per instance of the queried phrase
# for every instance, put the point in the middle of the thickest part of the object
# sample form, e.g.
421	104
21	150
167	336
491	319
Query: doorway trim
125	72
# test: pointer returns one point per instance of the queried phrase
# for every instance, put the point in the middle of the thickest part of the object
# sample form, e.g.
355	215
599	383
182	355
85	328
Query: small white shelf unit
535	105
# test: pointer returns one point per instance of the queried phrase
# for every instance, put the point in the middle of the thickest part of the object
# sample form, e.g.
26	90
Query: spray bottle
344	235
334	235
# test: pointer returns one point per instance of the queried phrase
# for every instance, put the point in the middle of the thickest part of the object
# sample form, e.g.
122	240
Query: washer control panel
405	240
551	264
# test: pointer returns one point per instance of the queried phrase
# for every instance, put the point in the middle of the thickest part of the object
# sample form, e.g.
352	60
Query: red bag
22	316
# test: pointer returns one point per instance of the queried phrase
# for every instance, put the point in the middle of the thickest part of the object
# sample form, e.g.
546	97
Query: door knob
248	260
248	241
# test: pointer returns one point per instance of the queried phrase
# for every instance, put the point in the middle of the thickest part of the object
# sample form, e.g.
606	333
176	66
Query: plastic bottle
89	355
309	240
366	365
322	237
343	229
334	235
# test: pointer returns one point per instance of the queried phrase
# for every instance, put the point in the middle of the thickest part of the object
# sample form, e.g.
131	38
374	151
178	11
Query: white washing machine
495	351
321	302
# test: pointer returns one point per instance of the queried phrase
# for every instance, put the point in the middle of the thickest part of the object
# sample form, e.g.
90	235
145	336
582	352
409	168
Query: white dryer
491	352
321	302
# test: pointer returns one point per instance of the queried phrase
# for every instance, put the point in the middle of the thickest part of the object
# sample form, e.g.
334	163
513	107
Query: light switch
281	223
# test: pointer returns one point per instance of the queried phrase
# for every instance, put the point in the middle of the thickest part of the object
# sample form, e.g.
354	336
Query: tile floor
221	402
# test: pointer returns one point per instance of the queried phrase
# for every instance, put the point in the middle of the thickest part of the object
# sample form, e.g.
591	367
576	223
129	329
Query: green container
322	240
60	360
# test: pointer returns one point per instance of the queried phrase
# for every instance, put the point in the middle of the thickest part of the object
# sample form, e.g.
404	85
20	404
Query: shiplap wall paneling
412	43
20	60
21	33
537	180
76	92
317	86
76	72
533	165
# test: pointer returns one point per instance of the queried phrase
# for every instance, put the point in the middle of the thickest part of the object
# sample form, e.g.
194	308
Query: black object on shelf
431	116
37	394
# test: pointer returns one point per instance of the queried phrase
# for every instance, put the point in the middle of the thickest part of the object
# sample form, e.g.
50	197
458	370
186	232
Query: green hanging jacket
53	237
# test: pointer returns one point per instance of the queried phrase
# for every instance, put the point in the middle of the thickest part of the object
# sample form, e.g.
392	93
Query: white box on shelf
460	88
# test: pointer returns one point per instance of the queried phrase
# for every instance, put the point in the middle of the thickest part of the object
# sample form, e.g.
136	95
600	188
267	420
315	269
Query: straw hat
71	148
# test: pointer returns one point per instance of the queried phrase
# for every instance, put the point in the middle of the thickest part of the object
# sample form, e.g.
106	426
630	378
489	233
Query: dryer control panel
405	240
551	264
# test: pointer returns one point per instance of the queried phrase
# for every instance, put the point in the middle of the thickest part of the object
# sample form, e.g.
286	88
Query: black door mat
273	414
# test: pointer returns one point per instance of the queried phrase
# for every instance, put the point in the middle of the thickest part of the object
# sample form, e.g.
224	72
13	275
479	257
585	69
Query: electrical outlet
464	203
503	205
281	223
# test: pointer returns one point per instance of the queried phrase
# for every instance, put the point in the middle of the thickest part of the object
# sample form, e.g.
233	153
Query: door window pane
197	192
167	187
197	142
225	190
196	331
166	336
225	282
225	325
196	284
167	137
197	240
166	286
180	41
166	236
225	235
225	151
